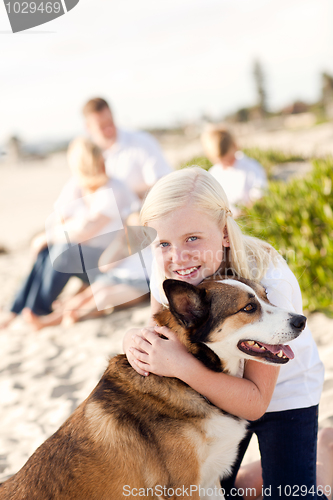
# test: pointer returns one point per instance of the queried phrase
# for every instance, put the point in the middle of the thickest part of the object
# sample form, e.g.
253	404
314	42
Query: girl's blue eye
192	238
164	244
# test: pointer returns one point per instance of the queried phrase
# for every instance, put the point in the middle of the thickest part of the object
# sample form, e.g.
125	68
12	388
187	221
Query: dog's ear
189	304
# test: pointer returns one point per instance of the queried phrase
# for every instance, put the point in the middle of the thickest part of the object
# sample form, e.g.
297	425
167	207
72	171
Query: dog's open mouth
273	353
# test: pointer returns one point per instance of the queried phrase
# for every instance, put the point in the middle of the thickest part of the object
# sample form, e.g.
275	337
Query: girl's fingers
142	343
151	336
140	371
139	355
142	367
164	330
139	366
147	336
146	330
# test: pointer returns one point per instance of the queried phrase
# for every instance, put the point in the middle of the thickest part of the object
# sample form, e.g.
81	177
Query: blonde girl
196	235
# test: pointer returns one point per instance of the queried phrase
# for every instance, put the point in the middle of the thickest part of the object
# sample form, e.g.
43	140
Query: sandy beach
45	375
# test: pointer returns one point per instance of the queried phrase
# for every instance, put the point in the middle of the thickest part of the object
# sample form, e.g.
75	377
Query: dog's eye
250	308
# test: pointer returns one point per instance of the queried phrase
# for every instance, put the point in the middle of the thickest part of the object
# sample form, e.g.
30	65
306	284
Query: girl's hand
163	357
131	348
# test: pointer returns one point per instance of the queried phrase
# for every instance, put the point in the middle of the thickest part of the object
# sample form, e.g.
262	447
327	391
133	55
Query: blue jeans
288	448
45	283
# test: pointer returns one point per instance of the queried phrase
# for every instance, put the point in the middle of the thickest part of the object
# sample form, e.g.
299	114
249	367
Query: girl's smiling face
190	245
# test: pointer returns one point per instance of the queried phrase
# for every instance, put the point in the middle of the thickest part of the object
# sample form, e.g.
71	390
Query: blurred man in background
133	157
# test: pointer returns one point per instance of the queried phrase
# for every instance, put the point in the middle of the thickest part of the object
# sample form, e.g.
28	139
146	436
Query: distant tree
243	115
260	84
327	87
13	149
327	94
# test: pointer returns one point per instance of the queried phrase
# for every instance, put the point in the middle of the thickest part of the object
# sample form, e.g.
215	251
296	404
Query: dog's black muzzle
298	322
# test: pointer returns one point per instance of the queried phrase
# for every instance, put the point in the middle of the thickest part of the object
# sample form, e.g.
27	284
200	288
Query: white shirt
243	183
113	199
136	159
300	381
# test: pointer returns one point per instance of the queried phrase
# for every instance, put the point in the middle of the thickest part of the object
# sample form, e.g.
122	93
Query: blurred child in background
243	178
79	233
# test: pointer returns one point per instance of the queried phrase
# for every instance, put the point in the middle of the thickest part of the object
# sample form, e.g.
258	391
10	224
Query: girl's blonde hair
248	257
86	161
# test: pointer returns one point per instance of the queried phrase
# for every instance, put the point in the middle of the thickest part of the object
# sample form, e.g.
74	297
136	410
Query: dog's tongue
287	351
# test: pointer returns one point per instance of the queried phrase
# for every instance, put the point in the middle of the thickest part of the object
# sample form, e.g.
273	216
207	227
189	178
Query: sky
159	63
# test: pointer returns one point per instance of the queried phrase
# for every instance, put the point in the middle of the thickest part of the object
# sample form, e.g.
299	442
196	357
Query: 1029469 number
32	7
302	491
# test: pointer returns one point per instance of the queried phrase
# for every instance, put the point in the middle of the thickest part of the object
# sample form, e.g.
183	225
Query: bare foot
32	319
57	304
98	314
40	322
61	302
69	318
6	319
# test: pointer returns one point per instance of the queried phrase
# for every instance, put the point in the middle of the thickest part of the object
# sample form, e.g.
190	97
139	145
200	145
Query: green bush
200	161
267	158
297	219
270	157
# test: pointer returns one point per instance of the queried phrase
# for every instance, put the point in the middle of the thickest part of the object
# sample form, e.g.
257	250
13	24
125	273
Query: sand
45	375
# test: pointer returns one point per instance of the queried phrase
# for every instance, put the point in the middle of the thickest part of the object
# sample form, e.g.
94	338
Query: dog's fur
149	432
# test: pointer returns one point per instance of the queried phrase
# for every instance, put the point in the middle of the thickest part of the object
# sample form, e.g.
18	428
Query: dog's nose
298	322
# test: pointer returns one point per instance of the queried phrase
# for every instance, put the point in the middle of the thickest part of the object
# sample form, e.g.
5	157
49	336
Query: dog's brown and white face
235	319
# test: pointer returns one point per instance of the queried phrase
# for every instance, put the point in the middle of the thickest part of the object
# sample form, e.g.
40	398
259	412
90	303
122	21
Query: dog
156	437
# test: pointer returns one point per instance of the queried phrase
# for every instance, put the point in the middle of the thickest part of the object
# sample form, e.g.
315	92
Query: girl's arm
246	397
82	230
77	230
